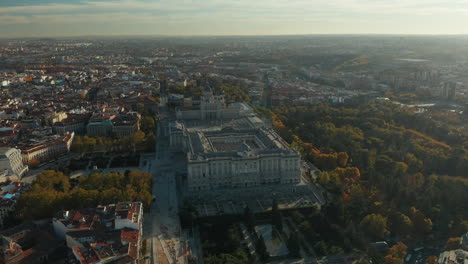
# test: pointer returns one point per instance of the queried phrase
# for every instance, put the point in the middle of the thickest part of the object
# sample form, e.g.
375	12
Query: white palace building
229	147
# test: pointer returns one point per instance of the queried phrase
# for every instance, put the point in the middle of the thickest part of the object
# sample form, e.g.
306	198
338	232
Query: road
32	174
164	224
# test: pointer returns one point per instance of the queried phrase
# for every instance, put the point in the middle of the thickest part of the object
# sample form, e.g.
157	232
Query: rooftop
5	152
227	141
95	229
458	256
101	217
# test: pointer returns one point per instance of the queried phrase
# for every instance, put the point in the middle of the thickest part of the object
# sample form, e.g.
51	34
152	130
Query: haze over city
233	132
29	18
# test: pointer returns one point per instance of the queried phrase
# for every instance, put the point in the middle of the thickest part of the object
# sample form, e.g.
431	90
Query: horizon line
236	35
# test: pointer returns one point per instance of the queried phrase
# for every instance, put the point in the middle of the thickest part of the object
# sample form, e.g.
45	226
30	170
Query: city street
32	174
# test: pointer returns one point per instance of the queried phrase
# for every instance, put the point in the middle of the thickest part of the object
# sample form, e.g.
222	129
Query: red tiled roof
129	235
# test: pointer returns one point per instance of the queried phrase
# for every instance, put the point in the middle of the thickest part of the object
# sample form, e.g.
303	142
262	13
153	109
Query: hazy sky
35	18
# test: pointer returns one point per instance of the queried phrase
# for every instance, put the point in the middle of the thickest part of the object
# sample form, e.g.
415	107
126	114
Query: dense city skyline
29	18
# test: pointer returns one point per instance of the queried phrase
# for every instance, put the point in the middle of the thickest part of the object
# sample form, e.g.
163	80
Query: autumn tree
89	143
77	144
342	159
350	173
148	124
422	224
401	224
34	163
326	161
396	254
138	137
375	225
453	243
324	177
414	164
432	260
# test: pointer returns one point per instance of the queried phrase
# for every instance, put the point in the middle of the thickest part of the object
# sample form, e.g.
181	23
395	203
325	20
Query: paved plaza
232	202
163	228
165	224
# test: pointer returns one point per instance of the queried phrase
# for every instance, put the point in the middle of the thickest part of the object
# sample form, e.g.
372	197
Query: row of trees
53	191
139	140
415	224
397	253
232	93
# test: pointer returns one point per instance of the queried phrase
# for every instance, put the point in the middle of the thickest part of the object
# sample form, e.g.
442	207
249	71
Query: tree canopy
384	161
52	191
